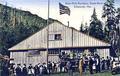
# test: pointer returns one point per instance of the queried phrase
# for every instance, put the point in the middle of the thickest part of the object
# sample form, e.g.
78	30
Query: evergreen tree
86	29
118	30
118	16
81	28
109	15
110	23
95	28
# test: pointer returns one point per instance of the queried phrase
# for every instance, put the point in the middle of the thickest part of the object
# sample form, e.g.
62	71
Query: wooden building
61	38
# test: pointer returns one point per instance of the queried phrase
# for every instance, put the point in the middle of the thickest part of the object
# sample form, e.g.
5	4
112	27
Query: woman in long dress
81	66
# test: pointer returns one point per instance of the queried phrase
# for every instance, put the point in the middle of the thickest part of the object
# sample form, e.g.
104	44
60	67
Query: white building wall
23	58
39	40
72	38
103	52
65	33
69	39
83	40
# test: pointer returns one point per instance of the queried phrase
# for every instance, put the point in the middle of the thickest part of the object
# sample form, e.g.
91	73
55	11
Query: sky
81	10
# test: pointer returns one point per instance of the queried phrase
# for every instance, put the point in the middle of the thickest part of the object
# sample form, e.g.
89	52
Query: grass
85	74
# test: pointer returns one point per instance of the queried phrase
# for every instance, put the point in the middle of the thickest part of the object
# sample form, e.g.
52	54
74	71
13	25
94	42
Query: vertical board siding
70	38
23	58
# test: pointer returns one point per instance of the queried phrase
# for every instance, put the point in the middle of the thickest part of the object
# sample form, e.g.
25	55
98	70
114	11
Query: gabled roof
39	39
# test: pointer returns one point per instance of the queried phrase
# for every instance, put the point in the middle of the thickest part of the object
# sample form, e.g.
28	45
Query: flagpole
48	31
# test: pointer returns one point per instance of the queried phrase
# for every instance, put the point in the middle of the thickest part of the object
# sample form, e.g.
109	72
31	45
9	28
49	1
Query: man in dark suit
18	70
91	65
24	71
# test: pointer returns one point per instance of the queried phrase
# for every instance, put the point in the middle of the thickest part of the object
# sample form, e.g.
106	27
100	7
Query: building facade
58	38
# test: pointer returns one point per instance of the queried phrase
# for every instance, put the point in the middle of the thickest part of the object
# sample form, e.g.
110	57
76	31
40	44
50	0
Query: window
54	52
55	37
58	37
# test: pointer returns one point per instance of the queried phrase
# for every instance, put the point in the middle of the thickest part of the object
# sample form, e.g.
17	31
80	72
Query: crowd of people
92	63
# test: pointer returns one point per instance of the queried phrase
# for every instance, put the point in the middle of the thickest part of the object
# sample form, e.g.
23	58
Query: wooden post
48	31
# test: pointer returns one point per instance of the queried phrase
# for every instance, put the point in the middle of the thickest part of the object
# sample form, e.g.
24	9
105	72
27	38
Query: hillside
16	25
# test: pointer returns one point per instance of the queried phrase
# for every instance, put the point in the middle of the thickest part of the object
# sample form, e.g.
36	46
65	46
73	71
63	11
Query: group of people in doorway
93	64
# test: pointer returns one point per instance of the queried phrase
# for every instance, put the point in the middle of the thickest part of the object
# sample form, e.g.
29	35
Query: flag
64	9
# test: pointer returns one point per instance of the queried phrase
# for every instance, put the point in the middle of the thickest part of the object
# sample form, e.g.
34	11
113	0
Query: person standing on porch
81	66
